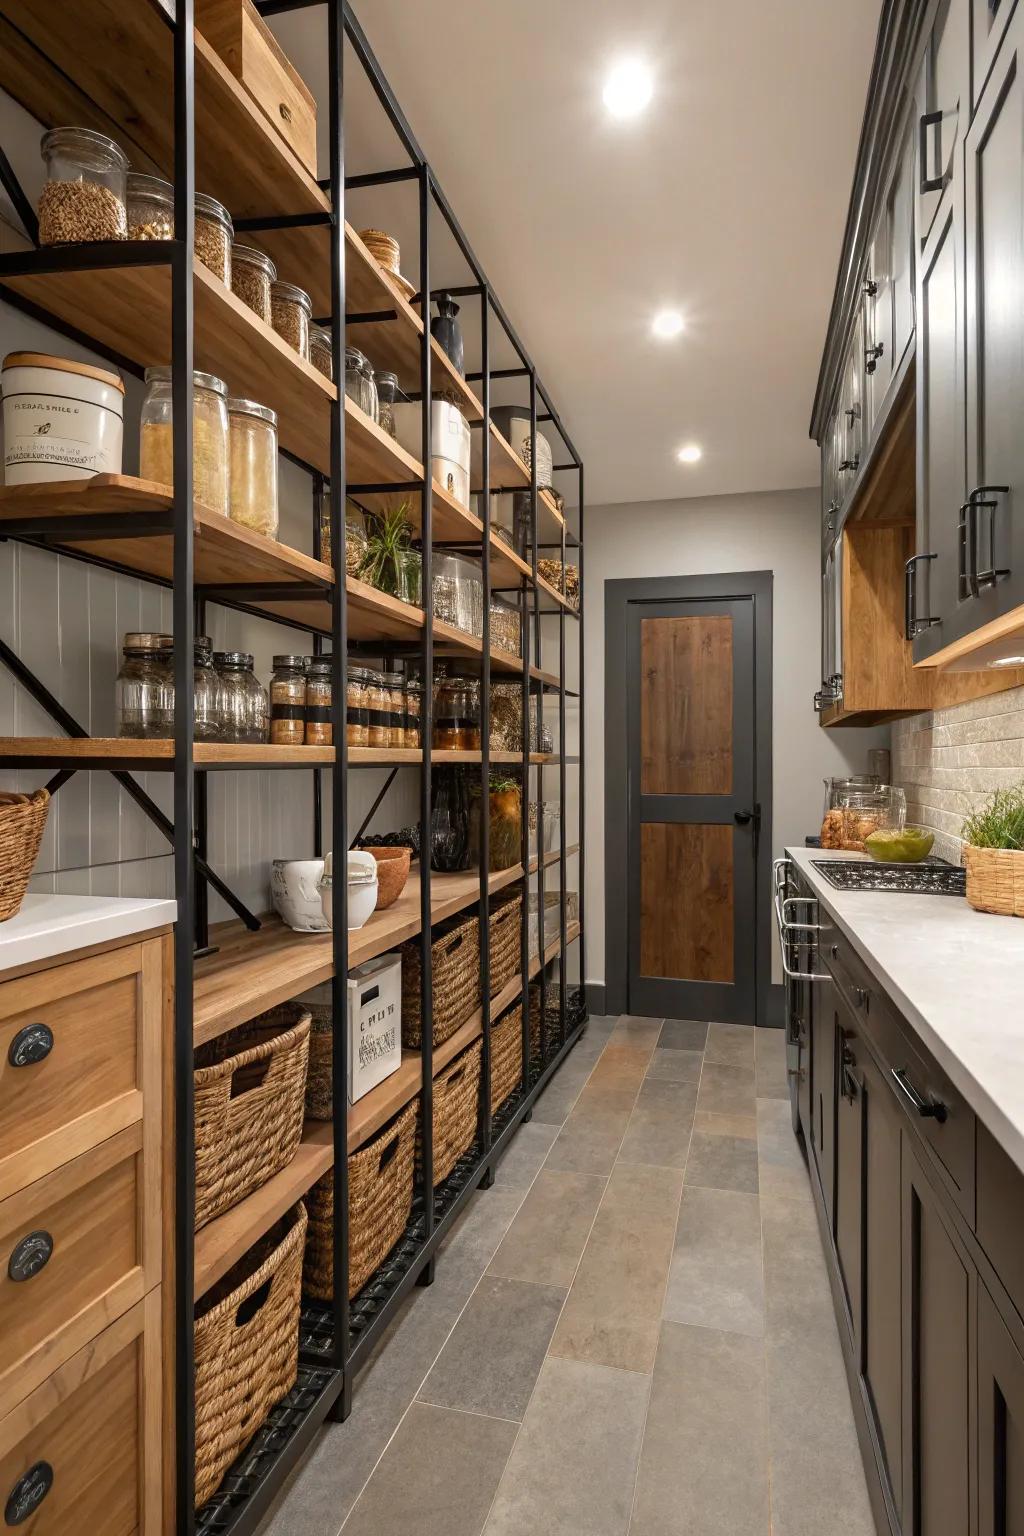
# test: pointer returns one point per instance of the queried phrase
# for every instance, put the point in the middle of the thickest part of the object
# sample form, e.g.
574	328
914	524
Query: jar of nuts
320	353
357	707
319	730
290	311
288	701
84	195
252	274
150	203
214	233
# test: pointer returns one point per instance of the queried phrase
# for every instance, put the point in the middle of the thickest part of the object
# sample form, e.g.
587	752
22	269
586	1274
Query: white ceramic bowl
362	888
294	888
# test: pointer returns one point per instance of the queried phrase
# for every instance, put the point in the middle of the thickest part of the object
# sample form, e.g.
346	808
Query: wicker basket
250	1087
247	1348
505	938
22	822
995	880
455	962
507	1053
456	1105
380	1189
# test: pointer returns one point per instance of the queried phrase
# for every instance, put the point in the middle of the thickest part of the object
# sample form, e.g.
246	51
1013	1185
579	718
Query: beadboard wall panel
950	760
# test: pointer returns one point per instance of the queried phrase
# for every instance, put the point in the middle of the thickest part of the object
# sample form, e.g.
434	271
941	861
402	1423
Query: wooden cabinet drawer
82	1453
79	1047
77	1248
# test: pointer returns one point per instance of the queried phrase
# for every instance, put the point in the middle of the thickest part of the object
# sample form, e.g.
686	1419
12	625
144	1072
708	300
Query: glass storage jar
387	393
357	707
207	720
252	274
370	397
209	436
505	822
144	689
505	627
449	820
150	206
379	721
355	537
290	311
321	353
319	730
394	693
410	577
458	593
413	712
457	714
257	712
84	195
358	379
253	472
243	699
288	701
214	233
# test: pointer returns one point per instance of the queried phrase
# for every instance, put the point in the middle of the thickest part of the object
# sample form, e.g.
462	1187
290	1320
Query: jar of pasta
357	707
394	689
319	731
290	312
209	436
84	195
253	479
321	354
379	721
214	233
252	274
413	712
288	701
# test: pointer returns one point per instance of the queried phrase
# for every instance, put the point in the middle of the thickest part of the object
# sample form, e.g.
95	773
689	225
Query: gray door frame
756	586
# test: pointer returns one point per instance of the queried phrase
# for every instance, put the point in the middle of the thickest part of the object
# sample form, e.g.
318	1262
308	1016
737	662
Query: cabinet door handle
927	1109
870	288
982	498
872	355
927	121
30	1045
850	1086
913	625
848	464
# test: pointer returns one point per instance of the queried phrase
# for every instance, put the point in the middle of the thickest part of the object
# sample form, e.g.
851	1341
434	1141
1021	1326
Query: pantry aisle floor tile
608	1343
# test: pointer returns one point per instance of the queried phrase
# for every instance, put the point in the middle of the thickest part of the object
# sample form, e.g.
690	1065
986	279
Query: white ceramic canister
62	419
450	442
294	888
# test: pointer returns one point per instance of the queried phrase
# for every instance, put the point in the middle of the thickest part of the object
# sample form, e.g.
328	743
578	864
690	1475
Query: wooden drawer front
71	1058
70	1455
899	1050
86	1217
253	55
1000	1205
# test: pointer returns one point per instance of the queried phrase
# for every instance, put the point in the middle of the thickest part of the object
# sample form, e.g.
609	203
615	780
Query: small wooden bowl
392	873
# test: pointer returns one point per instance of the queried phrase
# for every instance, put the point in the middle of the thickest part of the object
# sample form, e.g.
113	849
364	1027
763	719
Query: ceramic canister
62	419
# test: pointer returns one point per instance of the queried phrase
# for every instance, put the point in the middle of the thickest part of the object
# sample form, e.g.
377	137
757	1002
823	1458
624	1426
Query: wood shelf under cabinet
122	754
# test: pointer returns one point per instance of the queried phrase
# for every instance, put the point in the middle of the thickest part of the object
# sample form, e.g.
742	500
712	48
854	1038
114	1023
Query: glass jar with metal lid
243	699
378	710
357	707
358	377
288	701
321	353
207	720
413	712
371	403
387	393
290	311
394	696
84	195
252	275
214	233
253	460
150	204
145	686
319	693
209	436
457	714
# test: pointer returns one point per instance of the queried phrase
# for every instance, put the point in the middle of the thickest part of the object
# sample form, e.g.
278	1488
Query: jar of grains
457	714
252	274
214	233
288	701
413	712
357	706
145	687
394	692
320	351
319	731
379	722
387	393
253	466
209	436
150	203
84	195
290	311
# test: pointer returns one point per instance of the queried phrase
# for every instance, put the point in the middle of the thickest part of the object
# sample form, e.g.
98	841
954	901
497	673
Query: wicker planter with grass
995	880
22	823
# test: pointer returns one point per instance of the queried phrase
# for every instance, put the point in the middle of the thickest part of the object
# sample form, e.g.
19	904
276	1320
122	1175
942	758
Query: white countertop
956	975
48	926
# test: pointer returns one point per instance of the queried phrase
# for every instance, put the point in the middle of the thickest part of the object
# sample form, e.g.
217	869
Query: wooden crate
255	58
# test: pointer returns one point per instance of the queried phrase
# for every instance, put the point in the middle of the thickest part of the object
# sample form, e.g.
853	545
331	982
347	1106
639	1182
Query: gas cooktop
933	877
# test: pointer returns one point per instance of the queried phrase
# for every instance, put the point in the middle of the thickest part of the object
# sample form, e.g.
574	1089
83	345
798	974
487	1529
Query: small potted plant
994	854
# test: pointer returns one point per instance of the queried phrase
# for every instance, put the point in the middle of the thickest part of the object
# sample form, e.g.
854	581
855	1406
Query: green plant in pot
386	563
994	853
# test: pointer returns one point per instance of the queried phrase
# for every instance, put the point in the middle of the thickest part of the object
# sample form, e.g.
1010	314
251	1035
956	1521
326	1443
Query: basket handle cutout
455	1076
248	1308
249	1077
389	1152
454	943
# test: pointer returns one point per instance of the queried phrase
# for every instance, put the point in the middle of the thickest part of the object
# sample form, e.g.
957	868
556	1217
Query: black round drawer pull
29	1256
28	1493
30	1045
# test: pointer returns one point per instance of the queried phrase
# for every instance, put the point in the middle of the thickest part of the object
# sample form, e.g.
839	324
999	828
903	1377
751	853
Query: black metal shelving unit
335	1338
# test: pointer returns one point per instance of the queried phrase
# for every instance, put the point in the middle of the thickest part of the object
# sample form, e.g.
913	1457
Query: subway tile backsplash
950	760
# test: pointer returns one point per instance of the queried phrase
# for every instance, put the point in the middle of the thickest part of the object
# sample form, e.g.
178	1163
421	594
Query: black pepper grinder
447	331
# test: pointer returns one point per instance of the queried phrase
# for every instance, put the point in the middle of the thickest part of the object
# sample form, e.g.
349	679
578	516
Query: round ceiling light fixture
628	88
690	454
667	324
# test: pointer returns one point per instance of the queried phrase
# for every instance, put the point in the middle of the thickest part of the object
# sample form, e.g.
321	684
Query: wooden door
1000	1425
692	816
938	1298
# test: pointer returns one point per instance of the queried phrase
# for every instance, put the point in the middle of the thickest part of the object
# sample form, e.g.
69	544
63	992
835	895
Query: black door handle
743	818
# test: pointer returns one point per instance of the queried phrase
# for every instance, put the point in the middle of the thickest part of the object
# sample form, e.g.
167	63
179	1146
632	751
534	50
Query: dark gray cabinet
1000	1425
989	19
849	1161
943	107
880	1354
823	1089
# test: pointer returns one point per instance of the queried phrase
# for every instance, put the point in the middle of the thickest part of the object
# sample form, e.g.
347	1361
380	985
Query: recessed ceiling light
689	455
667	323
628	88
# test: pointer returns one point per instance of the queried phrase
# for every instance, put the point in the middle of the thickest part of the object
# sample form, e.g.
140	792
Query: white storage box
449	442
62	419
374	1023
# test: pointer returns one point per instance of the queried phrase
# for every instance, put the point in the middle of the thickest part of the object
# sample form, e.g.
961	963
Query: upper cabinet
942	107
989	20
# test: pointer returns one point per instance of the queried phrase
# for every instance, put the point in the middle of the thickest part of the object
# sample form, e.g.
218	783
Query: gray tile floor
631	1334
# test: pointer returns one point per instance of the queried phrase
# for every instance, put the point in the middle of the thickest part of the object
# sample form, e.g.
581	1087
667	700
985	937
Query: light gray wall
777	532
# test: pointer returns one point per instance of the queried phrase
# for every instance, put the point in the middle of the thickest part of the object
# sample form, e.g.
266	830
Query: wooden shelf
121	754
554	858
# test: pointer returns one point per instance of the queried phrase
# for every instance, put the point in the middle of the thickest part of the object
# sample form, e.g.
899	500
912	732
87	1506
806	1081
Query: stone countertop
956	975
50	926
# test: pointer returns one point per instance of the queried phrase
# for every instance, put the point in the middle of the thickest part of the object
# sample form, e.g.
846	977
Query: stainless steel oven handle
786	927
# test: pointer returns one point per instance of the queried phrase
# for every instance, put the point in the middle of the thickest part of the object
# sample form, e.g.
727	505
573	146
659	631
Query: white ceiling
725	199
